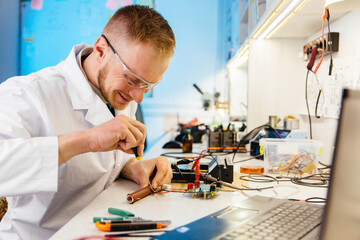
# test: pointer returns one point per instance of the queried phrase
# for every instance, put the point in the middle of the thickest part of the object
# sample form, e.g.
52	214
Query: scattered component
135	196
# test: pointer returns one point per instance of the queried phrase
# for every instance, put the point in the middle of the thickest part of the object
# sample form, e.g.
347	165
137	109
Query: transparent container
292	157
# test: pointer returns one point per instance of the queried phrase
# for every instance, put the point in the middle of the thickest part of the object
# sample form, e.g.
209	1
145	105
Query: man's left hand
157	169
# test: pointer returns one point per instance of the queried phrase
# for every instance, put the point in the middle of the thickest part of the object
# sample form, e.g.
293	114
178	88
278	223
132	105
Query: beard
108	95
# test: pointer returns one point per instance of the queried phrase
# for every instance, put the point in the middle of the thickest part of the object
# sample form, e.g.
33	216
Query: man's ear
101	48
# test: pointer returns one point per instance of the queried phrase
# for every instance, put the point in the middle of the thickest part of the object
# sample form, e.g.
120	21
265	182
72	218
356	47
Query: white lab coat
34	110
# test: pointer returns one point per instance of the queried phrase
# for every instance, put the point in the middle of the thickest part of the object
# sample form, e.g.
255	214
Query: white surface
177	207
180	209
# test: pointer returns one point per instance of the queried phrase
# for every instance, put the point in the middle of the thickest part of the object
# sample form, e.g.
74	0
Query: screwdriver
140	158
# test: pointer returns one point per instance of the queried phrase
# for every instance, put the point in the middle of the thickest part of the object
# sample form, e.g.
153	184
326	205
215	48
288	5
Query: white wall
324	129
277	79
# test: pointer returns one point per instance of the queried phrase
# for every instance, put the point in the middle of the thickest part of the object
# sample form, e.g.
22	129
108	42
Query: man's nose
137	94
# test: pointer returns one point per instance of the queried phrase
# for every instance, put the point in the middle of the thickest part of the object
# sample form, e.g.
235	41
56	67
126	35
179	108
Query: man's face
117	81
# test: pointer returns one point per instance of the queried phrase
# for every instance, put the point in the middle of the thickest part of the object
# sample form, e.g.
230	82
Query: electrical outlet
331	42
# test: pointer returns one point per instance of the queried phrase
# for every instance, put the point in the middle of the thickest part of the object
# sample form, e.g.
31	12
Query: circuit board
205	191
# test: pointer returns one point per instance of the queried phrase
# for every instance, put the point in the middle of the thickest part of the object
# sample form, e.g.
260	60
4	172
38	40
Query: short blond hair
143	24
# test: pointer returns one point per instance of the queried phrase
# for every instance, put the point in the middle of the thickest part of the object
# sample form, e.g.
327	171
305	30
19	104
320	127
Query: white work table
179	208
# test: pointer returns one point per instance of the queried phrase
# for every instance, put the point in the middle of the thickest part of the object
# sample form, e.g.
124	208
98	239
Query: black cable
250	135
310	200
307	101
310	182
210	178
247	159
259	178
316	200
181	155
325	165
329	42
317	104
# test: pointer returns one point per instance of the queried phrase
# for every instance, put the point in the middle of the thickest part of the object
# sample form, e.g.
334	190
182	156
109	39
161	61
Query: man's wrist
128	169
71	145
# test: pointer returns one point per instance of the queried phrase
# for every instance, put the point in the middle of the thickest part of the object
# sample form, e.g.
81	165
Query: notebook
270	218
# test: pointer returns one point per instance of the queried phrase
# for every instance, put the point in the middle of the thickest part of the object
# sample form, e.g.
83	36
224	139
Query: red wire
168	191
198	159
323	42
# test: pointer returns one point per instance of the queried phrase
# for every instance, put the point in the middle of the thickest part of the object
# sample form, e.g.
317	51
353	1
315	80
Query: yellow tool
140	158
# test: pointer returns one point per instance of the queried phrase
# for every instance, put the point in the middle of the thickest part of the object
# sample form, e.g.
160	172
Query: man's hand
158	168
121	133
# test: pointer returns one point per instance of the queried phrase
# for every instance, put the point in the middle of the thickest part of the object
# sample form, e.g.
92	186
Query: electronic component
225	141
203	190
331	44
222	167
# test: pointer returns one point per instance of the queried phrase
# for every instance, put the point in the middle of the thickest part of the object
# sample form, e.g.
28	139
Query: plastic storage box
290	156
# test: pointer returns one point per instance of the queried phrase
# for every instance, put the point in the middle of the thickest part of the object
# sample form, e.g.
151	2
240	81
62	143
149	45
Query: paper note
112	4
126	2
36	4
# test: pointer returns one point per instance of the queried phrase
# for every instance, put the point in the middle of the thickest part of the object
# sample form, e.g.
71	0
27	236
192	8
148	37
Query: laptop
254	218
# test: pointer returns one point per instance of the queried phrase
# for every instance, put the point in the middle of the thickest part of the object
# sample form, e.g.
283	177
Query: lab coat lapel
98	112
81	94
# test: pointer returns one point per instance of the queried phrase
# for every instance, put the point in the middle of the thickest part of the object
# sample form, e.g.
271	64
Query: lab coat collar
81	94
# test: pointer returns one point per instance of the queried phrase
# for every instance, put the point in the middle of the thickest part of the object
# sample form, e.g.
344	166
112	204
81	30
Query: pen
110	227
163	222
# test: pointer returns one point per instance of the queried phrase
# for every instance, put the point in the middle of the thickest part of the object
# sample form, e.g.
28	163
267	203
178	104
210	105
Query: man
60	144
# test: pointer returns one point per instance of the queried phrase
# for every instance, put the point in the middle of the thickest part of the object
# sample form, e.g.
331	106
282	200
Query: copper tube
139	194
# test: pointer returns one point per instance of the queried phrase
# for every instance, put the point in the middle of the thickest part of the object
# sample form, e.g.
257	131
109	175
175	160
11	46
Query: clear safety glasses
135	80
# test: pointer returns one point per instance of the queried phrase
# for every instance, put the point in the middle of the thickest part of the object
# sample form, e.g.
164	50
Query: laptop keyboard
286	221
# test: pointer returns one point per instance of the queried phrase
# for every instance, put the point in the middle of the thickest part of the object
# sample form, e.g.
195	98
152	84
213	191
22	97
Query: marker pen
163	222
110	227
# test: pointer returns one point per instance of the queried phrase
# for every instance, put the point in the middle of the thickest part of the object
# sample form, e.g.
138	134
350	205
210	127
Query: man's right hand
121	133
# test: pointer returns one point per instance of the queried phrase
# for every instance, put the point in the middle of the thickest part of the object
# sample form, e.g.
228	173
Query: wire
323	42
247	159
310	182
210	178
311	200
259	178
307	102
245	139
321	92
329	42
297	190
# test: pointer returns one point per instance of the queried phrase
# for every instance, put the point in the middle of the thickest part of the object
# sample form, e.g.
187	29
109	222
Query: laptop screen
342	213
